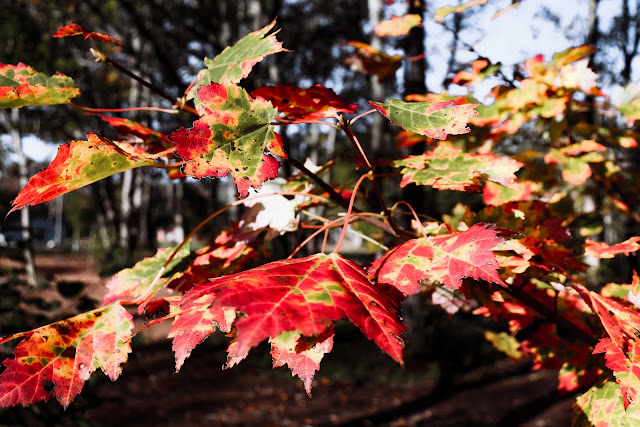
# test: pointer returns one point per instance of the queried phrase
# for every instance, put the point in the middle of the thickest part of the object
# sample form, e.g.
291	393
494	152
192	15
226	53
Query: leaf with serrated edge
66	353
77	164
432	119
195	323
447	259
450	168
22	86
77	30
306	295
602	250
233	137
314	103
132	285
235	62
304	364
622	348
601	406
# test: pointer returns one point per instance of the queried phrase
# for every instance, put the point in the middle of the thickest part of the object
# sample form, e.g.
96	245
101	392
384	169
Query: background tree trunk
12	125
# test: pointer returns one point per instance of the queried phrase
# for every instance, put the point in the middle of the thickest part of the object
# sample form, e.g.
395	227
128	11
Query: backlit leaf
235	63
432	119
21	85
449	168
622	348
601	406
574	160
505	343
132	285
602	250
314	103
447	259
77	164
130	129
194	324
398	25
306	295
233	137
77	29
446	10
369	61
304	363
480	70
66	353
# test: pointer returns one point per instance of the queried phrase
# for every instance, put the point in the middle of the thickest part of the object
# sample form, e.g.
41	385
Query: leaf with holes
133	285
447	259
622	348
432	119
77	30
303	363
314	103
306	295
77	164
449	168
235	63
602	250
65	354
234	136
398	25
22	86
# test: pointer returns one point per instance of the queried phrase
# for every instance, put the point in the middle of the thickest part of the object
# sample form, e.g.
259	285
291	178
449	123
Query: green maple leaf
449	168
432	119
235	62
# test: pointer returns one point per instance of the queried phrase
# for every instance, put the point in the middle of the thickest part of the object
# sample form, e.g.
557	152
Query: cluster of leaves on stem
513	256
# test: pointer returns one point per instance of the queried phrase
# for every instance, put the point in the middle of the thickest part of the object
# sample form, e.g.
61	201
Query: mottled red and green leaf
66	353
77	164
22	86
234	136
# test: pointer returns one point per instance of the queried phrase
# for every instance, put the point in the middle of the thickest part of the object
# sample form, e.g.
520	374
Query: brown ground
357	385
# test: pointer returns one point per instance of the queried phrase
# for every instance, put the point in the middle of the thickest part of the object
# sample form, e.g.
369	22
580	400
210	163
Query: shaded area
357	385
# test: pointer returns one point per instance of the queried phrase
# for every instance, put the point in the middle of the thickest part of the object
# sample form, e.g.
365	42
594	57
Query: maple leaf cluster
512	257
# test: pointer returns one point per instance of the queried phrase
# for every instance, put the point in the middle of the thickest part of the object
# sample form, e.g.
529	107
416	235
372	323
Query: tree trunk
12	126
376	88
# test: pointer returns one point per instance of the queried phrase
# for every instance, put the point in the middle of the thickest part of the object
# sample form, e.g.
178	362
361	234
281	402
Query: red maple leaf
306	295
447	259
314	103
77	29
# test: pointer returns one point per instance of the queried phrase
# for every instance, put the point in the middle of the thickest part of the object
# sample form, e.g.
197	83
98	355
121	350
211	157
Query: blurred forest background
120	219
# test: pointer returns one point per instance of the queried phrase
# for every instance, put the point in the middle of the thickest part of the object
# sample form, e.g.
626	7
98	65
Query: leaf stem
337	198
209	218
101	57
359	116
121	110
346	220
415	215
